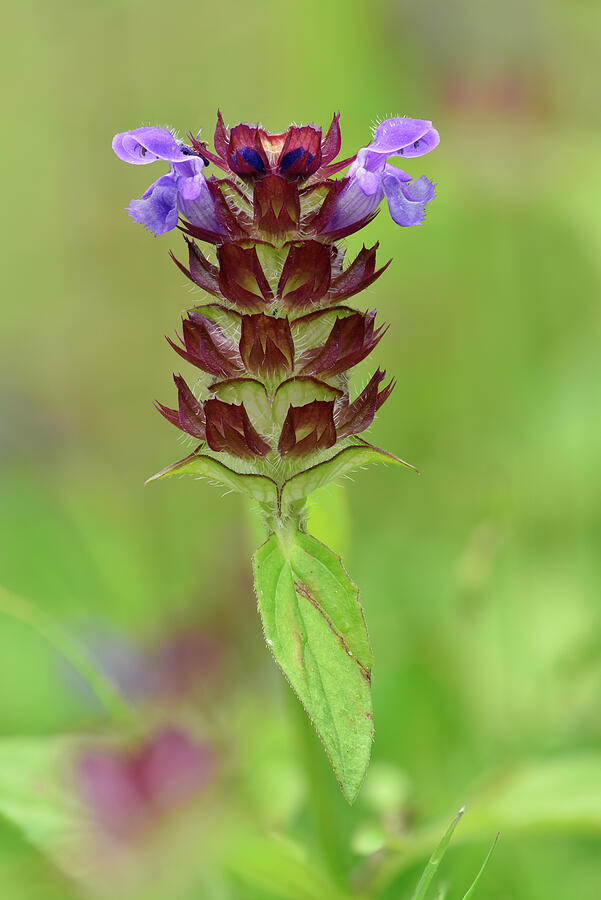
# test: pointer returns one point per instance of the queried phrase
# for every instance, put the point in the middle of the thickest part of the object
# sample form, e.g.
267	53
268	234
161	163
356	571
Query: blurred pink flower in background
128	791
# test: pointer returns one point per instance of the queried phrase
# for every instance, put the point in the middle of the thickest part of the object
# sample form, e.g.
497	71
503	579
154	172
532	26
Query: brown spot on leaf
303	590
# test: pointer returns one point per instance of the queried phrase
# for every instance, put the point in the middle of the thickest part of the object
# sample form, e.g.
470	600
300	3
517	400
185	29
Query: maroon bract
277	207
359	275
241	277
306	275
308	428
351	339
266	345
355	417
230	430
206	347
189	416
202	272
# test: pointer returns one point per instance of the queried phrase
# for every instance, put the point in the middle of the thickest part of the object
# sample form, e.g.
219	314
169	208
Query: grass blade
471	890
435	860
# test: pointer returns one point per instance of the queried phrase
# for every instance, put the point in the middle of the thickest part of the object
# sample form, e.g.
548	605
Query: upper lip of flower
147	144
404	137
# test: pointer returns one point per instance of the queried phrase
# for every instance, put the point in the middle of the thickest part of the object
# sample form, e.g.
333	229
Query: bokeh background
481	579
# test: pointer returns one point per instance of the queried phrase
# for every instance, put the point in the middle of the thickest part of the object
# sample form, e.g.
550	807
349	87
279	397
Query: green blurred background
481	579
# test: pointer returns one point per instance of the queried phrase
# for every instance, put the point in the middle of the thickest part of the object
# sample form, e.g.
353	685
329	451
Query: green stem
323	793
29	614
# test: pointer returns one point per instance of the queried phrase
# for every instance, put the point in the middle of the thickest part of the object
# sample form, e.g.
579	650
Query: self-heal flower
274	343
184	190
370	178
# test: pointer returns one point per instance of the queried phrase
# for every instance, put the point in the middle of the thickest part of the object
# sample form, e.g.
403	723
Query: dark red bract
230	430
308	428
266	345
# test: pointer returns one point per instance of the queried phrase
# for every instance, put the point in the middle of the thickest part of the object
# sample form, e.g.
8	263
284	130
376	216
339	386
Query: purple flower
371	178
184	190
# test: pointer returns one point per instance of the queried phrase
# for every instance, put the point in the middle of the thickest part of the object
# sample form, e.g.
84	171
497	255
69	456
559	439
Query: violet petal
407	202
393	135
158	210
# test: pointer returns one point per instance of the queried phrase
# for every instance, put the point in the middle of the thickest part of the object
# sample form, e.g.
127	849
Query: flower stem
324	799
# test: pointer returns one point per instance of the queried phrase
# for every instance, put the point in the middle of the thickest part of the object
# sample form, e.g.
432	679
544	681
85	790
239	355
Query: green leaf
259	487
435	860
345	461
314	626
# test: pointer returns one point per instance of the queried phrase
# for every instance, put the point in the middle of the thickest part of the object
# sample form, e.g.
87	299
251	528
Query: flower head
274	345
